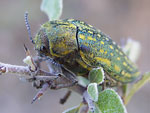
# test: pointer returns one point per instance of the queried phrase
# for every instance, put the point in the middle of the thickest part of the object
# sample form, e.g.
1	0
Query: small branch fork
40	78
41	75
33	73
46	80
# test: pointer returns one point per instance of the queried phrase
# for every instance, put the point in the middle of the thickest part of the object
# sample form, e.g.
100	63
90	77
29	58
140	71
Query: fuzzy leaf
93	91
97	110
99	88
96	75
83	81
110	102
53	8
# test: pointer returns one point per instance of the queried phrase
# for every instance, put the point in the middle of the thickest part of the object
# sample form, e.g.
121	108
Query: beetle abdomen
98	49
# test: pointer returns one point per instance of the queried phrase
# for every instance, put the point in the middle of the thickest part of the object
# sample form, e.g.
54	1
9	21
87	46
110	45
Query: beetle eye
44	49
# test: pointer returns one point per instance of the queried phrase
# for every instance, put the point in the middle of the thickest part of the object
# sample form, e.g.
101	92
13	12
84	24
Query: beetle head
55	39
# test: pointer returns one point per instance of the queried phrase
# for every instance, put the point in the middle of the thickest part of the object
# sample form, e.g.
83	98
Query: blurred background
117	18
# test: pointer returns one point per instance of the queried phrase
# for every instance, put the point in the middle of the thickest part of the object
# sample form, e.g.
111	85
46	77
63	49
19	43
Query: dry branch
24	71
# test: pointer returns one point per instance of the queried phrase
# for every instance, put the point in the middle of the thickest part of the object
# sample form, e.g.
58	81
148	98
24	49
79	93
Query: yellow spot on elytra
124	63
102	42
118	58
86	44
105	52
90	38
122	72
90	26
116	50
127	75
117	68
82	36
81	22
71	19
104	60
65	52
90	32
98	35
91	55
111	54
85	60
111	47
107	39
61	44
81	53
82	63
101	50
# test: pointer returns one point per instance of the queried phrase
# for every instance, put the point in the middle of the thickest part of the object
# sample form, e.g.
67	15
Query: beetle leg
40	80
54	67
44	88
69	75
64	99
60	86
58	69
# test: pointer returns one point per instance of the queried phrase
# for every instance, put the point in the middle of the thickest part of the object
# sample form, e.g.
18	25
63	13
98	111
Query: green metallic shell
80	47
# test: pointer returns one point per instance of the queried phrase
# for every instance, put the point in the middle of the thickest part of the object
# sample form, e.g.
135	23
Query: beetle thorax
56	41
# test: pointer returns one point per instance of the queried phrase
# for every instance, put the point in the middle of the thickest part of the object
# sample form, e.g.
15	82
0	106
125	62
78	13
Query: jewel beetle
80	47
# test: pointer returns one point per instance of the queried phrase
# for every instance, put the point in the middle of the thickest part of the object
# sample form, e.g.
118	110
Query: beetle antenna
28	27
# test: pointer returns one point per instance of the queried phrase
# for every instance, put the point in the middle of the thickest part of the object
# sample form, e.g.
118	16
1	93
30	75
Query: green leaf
97	110
83	81
74	109
93	91
53	8
110	102
99	88
96	75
